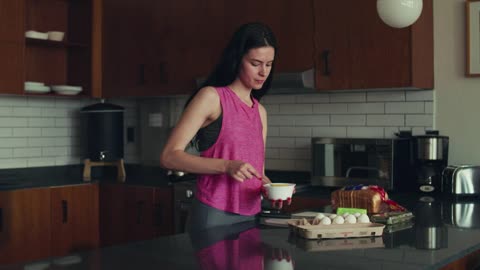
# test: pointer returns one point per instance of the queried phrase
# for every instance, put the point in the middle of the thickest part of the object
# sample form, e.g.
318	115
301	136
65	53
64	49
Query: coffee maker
430	157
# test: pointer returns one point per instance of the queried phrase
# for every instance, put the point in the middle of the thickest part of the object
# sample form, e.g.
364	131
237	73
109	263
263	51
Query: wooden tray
335	230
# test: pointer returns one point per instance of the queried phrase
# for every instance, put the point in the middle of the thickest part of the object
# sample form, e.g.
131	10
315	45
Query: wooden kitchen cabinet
292	22
133	213
354	49
74	218
25	230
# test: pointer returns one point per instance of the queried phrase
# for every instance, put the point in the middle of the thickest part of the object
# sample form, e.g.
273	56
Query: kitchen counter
432	242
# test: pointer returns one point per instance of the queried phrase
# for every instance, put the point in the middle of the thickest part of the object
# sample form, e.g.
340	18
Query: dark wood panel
74	219
305	203
46	16
25	230
12	68
46	64
163	211
139	213
113	203
12	20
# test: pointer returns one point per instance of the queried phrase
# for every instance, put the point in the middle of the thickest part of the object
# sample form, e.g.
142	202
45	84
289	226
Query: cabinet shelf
51	43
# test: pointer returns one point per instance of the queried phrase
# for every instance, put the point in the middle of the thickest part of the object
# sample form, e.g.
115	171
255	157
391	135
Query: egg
326	221
332	216
363	218
351	219
357	215
338	220
345	215
319	216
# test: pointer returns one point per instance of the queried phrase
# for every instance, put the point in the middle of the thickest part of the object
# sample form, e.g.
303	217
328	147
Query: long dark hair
246	37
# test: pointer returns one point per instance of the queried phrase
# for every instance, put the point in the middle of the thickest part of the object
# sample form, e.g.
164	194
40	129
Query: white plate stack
67	89
36	87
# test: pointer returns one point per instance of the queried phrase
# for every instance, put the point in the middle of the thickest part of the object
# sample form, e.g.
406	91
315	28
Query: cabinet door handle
64	211
1	219
140	211
158	215
141	74
163	72
326	64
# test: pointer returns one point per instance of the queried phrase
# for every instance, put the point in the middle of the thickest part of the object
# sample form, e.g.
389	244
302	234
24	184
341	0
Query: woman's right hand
241	171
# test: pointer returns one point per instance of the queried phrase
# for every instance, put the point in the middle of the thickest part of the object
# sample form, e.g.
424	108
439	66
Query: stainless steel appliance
348	161
461	180
183	194
430	154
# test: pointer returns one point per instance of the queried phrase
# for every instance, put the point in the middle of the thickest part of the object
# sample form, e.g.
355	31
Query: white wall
457	98
45	131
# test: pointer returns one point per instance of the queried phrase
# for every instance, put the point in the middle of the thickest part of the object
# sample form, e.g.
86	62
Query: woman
229	126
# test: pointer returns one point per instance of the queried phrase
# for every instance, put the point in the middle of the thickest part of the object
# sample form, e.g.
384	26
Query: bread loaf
366	198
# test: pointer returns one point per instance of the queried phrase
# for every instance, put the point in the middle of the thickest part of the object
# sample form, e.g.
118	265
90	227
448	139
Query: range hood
301	82
293	82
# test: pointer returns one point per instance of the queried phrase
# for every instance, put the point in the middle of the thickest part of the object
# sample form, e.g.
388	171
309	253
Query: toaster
461	180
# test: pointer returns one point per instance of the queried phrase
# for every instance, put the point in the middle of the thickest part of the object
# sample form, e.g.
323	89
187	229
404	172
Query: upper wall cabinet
292	23
356	50
11	46
40	58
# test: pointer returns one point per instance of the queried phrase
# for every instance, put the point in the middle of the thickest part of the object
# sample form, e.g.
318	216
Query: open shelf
52	43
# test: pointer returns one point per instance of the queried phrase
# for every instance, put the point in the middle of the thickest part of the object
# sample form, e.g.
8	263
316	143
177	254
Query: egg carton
322	231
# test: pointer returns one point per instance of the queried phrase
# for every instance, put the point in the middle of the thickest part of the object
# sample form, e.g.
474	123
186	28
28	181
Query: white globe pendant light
399	13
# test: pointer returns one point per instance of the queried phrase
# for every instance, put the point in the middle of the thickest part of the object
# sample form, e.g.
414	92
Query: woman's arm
202	110
263	117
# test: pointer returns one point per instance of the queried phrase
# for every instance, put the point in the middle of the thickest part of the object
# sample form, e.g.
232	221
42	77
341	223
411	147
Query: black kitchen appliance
430	157
104	132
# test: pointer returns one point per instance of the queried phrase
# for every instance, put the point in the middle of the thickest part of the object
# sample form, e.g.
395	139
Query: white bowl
36	34
282	264
36	88
66	89
279	191
56	35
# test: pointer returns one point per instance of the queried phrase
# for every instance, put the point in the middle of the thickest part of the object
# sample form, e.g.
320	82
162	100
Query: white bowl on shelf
67	89
36	87
36	34
56	35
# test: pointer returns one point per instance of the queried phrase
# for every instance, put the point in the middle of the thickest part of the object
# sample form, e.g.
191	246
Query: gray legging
203	217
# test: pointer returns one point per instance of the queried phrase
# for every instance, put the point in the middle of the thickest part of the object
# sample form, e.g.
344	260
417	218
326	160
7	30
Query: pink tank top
240	138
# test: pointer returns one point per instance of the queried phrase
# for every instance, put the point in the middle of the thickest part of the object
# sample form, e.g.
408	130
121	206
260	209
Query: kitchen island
253	246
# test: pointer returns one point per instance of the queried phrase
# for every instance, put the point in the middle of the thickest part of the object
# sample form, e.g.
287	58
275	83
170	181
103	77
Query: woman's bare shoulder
208	93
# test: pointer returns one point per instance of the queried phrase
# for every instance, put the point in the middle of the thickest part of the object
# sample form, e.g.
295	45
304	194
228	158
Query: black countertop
445	230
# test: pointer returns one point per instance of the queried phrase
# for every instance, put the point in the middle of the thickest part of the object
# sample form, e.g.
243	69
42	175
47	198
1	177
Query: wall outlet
155	120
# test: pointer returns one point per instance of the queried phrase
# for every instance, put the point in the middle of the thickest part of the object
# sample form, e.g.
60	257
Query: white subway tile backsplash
348	120
13	122
12	163
405	107
312	120
313	98
387	120
6	132
429	107
293	153
365	108
303	143
27	132
365	132
277	99
419	120
55	132
273	131
5	111
272	108
10	101
41	122
46	131
6	153
303	165
336	132
279	142
41	162
295	109
295	132
281	120
271	152
27	152
330	108
386	96
13	142
348	97
390	131
425	95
